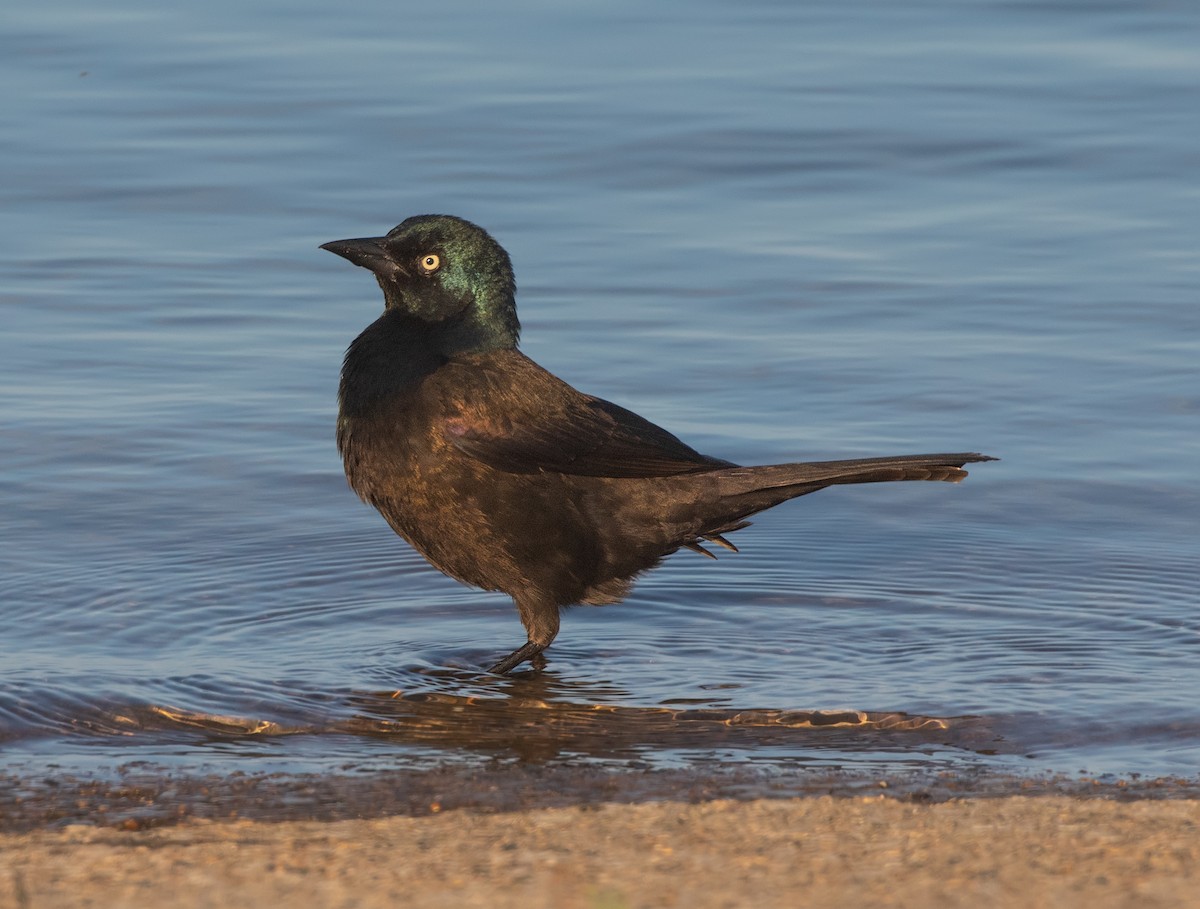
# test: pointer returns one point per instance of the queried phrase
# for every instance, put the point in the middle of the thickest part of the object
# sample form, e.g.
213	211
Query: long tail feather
819	474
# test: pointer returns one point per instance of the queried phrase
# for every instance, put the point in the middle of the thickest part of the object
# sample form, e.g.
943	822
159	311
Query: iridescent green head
442	269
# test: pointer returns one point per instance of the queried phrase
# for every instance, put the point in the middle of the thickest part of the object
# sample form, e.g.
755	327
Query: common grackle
505	477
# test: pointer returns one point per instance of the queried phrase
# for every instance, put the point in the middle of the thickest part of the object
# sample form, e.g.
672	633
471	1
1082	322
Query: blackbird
505	477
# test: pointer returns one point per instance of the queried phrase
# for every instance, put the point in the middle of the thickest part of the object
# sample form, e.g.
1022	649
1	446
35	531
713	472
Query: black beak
369	252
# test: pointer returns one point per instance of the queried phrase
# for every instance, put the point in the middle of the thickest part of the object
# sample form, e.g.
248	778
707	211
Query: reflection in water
532	725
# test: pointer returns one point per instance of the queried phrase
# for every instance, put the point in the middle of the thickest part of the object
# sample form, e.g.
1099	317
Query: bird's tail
751	489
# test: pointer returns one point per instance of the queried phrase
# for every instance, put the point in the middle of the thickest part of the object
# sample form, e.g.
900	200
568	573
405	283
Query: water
783	231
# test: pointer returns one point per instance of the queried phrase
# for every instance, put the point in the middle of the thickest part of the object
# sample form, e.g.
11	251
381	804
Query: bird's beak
369	252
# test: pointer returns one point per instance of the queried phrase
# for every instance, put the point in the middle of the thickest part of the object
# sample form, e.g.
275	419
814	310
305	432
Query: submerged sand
1113	847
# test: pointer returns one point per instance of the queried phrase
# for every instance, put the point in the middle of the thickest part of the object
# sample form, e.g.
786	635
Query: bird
508	479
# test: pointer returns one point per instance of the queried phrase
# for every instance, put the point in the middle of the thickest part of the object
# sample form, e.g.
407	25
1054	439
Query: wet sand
912	842
1052	851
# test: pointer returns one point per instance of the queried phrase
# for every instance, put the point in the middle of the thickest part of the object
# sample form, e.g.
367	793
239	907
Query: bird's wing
521	419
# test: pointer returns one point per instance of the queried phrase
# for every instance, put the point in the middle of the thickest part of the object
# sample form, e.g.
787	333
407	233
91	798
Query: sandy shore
1047	850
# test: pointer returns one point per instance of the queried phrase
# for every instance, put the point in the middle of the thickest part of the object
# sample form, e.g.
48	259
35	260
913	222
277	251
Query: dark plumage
505	477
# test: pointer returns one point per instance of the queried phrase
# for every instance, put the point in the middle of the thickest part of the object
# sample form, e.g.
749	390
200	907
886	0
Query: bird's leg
540	619
529	651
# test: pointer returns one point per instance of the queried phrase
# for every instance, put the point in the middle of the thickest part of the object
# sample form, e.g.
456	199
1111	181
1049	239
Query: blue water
784	231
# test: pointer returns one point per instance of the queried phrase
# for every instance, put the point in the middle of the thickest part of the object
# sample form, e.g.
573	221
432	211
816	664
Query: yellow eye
429	263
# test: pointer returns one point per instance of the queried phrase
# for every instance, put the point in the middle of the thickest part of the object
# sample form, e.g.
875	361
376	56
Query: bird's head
442	269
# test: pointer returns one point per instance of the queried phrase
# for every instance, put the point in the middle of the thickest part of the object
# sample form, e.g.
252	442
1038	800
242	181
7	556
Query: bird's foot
530	651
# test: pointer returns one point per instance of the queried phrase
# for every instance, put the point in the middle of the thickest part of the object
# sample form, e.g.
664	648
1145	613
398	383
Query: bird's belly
568	539
563	537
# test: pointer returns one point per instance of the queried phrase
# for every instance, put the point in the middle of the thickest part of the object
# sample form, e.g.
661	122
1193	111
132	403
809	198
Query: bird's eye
429	263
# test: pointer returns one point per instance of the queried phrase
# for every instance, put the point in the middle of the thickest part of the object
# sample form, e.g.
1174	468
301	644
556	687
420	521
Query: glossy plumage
505	477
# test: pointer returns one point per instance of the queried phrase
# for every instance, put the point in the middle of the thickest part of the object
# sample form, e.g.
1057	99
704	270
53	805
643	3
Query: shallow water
782	232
